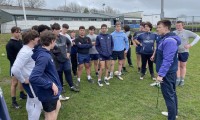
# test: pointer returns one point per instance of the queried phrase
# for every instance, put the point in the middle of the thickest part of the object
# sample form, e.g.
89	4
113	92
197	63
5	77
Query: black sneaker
90	80
153	77
142	77
15	105
22	96
73	88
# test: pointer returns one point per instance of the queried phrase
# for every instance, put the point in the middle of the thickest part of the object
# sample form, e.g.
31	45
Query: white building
154	18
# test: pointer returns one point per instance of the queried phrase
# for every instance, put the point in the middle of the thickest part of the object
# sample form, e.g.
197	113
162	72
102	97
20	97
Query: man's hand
79	43
152	58
125	52
159	79
188	46
55	89
68	55
26	81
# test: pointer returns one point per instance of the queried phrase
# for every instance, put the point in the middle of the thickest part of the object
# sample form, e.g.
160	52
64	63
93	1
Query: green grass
131	99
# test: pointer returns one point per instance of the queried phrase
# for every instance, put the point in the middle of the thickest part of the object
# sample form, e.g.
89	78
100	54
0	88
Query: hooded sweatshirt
44	74
120	41
104	44
167	54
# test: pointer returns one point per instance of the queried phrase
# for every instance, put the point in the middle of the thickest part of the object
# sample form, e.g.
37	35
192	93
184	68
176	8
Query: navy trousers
168	88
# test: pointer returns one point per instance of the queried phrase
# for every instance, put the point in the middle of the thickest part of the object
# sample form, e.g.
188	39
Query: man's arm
37	73
169	51
20	62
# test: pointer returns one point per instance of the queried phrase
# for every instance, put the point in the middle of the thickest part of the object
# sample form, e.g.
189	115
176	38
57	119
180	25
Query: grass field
131	99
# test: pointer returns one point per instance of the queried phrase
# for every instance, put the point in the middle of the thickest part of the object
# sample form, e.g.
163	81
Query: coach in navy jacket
44	75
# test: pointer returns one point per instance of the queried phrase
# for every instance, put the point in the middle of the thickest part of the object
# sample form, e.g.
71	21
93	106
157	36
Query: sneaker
100	83
110	77
131	66
155	84
77	83
15	105
181	83
90	80
153	77
63	98
106	82
178	82
73	88
142	77
119	77
166	114
22	96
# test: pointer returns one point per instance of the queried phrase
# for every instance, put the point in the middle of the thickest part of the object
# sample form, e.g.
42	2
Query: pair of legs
183	57
74	64
52	114
84	60
94	59
66	69
104	64
145	58
168	88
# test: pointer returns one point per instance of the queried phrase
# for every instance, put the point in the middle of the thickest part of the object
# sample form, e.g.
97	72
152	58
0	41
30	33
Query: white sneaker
110	77
106	82
119	77
166	114
63	98
141	78
100	83
155	84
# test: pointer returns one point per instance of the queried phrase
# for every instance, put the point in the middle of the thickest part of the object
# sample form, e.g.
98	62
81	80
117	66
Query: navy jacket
147	39
104	44
44	74
167	55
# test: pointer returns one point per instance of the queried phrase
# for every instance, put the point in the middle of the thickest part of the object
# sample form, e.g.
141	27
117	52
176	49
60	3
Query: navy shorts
94	57
137	49
183	57
118	55
83	58
50	105
104	58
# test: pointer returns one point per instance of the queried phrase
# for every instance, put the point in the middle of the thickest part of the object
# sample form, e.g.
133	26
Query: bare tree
72	7
6	2
32	3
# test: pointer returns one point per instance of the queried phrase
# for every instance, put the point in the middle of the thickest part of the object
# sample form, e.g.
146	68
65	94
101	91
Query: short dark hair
15	29
166	23
117	23
142	24
81	27
180	22
149	24
73	31
35	27
65	26
103	25
47	37
127	28
42	28
29	35
55	26
92	28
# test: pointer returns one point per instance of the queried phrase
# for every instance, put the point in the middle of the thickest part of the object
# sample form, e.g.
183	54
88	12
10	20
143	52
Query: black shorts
183	57
118	55
137	49
50	105
104	58
94	57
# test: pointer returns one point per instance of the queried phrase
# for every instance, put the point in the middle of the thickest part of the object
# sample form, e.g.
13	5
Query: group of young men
39	60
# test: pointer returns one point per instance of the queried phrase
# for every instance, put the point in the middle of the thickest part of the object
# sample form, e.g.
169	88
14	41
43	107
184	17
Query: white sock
99	79
119	73
79	79
111	73
89	77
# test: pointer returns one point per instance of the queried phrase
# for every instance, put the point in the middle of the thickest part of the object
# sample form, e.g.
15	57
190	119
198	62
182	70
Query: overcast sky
172	8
